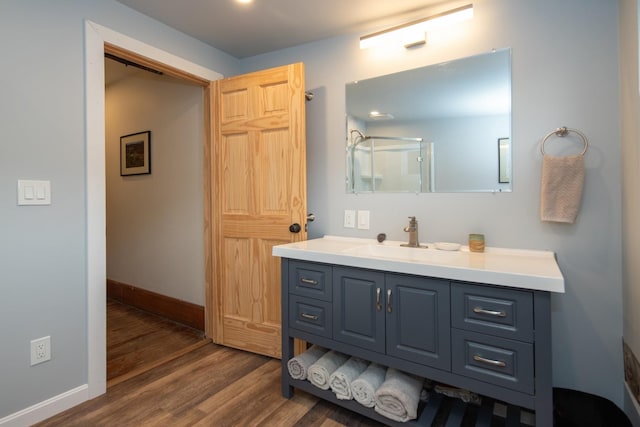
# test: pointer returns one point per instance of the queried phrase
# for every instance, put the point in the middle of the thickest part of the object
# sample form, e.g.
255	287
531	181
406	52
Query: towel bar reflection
562	132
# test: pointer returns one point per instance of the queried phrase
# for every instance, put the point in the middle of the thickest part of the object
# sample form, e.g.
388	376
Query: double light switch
32	192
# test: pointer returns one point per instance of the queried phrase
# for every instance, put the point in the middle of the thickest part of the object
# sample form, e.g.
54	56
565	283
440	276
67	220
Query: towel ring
562	132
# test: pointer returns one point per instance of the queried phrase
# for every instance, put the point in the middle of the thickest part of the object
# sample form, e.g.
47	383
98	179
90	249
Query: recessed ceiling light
244	1
377	115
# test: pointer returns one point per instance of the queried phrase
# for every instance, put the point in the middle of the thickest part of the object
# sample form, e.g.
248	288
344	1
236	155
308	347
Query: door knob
295	228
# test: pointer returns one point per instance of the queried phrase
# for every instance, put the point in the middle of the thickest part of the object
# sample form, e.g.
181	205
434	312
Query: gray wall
565	73
43	248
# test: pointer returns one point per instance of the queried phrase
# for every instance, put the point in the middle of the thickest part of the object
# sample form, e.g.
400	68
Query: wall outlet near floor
349	219
40	350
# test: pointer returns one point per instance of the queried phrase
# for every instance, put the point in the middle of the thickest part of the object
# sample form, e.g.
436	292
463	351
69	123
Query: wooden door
259	191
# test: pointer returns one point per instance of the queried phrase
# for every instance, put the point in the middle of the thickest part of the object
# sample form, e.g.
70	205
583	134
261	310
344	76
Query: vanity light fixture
413	33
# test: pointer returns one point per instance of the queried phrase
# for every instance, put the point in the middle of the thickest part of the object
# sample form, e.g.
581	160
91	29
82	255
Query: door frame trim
96	36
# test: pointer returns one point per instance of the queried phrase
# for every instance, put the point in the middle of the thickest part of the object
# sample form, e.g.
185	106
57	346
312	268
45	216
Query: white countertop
526	269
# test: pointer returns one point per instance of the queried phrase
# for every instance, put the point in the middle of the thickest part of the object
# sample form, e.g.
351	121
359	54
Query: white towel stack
299	365
364	387
320	372
340	380
398	397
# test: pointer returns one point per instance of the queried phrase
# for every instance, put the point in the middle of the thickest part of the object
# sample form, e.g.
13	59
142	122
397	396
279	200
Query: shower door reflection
389	164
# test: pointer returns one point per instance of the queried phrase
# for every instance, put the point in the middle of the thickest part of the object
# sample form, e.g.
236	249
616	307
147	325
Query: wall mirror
440	128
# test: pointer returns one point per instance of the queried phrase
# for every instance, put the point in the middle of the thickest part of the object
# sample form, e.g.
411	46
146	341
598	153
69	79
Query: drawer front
499	361
310	315
309	279
491	310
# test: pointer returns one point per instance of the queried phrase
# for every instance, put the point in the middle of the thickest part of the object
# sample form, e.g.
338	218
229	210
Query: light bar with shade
414	33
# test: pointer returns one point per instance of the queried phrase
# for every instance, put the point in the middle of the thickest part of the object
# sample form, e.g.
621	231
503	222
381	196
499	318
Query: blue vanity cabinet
488	339
397	314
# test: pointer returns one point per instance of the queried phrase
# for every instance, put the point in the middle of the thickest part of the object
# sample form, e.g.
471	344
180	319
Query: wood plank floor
138	340
162	374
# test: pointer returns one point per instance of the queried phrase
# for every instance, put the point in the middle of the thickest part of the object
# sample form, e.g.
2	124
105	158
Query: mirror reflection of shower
388	163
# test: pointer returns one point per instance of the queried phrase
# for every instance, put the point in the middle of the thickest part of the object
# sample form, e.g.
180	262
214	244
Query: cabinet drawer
310	315
499	361
310	280
496	311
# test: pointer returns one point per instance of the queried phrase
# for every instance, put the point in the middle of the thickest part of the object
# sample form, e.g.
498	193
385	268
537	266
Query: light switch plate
32	192
363	220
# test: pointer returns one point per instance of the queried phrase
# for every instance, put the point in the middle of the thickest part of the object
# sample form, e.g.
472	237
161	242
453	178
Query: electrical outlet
349	219
40	350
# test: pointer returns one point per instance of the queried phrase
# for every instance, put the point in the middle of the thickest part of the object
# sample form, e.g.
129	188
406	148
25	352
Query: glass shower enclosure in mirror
439	128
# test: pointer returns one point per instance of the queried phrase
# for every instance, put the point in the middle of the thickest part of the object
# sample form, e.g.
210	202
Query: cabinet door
418	321
358	319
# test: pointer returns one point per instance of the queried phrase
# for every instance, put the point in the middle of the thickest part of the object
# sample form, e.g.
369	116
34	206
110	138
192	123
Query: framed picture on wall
135	154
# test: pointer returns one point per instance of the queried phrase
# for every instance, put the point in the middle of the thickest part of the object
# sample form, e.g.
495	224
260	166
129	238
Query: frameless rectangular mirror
440	128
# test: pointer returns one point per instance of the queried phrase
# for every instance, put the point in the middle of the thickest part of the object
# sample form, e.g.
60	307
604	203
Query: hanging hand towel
340	380
364	387
299	365
318	373
561	188
398	397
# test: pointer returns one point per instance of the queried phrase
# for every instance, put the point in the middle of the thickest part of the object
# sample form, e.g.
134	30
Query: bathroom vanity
476	321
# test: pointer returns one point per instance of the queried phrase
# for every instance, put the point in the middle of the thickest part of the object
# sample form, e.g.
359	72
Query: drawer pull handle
491	362
389	300
309	316
309	281
480	310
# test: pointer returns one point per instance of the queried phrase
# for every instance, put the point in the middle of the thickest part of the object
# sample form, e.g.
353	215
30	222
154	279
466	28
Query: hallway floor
138	341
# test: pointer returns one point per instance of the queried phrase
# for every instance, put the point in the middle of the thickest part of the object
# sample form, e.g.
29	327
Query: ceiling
244	30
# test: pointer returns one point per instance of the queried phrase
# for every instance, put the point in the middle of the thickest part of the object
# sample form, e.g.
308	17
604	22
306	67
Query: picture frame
135	154
504	160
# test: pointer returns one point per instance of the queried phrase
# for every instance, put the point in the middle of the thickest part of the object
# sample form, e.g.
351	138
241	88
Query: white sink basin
403	253
515	268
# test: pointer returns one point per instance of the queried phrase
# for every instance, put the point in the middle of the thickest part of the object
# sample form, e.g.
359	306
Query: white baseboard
631	407
48	408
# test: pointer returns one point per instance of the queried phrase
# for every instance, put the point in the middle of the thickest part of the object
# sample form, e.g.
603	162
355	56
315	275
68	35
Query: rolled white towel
318	373
299	365
398	397
364	387
341	379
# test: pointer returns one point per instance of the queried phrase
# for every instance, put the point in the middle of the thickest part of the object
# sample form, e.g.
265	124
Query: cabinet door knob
389	300
378	304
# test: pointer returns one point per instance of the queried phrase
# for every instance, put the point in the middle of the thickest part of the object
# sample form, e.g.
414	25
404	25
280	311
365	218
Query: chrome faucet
412	229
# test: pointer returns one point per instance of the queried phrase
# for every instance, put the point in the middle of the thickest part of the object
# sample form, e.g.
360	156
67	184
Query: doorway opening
98	40
155	250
